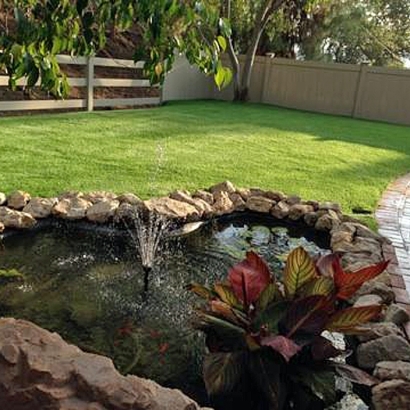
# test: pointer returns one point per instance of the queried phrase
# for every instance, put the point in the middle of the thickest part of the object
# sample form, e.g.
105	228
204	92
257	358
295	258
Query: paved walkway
393	218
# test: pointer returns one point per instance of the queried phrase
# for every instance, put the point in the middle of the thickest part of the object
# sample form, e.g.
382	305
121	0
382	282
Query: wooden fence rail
90	83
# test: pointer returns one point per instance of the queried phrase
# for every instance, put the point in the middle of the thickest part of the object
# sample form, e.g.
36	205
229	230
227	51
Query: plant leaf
328	265
354	374
322	349
349	318
271	317
306	317
299	269
201	291
347	284
249	278
227	295
265	368
222	371
318	286
269	295
284	346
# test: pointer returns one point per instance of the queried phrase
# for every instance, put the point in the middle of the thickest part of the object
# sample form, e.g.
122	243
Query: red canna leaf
286	347
323	349
347	319
299	270
306	317
249	278
329	265
348	284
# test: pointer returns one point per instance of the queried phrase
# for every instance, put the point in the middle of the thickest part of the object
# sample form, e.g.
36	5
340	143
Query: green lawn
196	144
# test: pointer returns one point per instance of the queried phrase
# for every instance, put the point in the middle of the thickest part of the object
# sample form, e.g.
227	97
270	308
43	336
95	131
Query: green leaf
318	286
271	317
222	42
269	295
222	371
227	295
265	367
201	291
219	77
299	270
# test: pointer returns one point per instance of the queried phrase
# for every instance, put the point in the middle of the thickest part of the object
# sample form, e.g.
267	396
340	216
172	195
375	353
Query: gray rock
392	370
238	203
260	204
298	211
40	207
310	218
205	196
18	200
334	206
373	331
13	219
102	211
98	196
223	204
396	314
377	288
386	348
2	227
129	198
73	208
328	221
202	206
38	370
293	200
3	198
391	395
349	402
226	186
280	210
277	196
368	300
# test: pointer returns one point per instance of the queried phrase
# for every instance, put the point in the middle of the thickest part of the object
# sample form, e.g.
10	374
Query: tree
33	32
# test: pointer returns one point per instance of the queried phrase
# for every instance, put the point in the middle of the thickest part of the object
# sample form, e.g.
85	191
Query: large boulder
18	199
39	370
11	218
72	208
40	207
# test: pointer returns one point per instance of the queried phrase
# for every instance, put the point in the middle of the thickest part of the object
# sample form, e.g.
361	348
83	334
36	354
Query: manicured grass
196	144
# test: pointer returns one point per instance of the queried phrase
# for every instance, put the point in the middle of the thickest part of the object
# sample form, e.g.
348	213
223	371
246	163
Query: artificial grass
191	145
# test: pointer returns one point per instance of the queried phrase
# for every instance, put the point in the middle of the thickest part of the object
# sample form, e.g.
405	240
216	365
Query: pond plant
265	337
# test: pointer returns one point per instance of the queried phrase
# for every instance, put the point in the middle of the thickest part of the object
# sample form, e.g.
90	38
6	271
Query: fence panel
90	82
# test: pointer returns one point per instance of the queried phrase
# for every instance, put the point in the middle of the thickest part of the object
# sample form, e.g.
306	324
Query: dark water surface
87	285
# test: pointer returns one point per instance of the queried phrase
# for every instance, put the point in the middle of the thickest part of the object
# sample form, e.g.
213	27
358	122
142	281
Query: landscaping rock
73	208
328	221
391	395
368	300
349	402
18	200
3	198
202	206
223	204
280	210
98	196
386	348
310	218
396	314
40	207
260	204
13	219
102	211
298	211
377	288
276	196
377	330
293	200
38	370
129	198
70	195
2	227
127	212
392	370
237	201
334	206
172	208
225	186
205	196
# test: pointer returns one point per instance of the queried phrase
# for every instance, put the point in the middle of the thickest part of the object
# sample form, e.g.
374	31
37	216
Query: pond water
88	285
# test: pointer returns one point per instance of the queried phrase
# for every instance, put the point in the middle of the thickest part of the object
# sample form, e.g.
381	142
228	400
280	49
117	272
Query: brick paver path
393	218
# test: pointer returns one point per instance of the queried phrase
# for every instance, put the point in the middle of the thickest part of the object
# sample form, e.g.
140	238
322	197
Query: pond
87	284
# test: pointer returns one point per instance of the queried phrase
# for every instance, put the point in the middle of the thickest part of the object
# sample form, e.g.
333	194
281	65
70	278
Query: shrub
265	338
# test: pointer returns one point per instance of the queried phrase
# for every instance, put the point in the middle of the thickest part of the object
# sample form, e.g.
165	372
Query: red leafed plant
272	333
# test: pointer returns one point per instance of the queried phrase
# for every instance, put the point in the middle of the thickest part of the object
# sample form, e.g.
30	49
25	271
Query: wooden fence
374	93
89	82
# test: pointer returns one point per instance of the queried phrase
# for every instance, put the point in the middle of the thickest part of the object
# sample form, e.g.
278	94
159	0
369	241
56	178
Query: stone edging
358	246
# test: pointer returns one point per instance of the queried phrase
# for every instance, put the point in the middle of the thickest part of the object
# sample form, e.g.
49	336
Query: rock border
385	342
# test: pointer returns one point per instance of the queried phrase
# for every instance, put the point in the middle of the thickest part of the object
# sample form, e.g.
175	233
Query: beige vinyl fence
90	83
367	92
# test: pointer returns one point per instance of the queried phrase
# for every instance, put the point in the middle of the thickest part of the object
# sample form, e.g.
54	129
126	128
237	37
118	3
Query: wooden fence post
358	95
90	84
